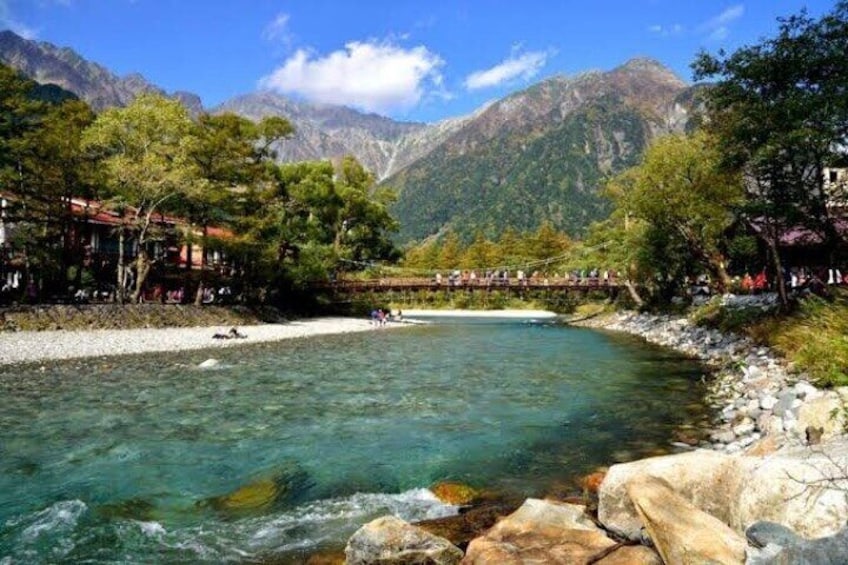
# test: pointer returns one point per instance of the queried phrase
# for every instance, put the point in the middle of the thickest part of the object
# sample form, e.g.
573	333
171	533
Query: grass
813	336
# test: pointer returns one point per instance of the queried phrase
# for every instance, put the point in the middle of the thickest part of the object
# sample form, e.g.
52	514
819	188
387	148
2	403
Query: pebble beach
32	346
35	346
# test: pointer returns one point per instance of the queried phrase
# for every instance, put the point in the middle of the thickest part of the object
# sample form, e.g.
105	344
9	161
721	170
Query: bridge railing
430	283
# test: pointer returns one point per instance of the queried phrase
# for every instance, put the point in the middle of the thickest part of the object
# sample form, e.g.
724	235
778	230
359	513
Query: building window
834	176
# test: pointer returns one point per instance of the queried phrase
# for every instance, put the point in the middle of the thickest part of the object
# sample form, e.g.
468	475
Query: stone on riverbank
681	532
392	541
781	545
550	532
801	488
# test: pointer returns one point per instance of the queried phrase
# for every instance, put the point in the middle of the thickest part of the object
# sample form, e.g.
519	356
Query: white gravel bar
24	347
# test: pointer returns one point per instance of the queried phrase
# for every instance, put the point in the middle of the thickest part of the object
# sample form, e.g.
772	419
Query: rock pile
752	392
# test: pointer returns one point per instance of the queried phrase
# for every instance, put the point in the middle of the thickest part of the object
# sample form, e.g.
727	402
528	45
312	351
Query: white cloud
717	28
278	29
369	75
667	30
517	65
8	21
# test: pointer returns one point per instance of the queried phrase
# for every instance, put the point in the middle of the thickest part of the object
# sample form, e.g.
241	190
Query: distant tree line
282	225
542	250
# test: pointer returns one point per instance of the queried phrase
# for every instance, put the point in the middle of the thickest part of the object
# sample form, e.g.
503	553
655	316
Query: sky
409	60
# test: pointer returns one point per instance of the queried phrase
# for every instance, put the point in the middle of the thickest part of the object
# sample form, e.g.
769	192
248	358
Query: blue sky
421	61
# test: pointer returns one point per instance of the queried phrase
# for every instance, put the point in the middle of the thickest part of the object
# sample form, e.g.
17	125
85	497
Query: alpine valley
537	155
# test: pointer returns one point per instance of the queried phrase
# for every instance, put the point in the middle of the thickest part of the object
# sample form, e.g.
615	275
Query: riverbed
129	458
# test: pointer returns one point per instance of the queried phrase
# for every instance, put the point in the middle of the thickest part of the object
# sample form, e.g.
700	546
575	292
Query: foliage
685	202
280	227
144	156
780	113
522	179
41	164
812	337
542	250
737	319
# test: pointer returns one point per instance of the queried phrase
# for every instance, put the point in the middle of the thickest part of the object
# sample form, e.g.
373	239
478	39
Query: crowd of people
800	280
505	277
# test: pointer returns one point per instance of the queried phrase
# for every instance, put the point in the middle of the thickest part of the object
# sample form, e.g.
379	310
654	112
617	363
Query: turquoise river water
128	459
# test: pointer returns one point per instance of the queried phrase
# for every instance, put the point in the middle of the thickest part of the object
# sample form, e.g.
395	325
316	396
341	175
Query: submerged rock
208	364
261	494
133	509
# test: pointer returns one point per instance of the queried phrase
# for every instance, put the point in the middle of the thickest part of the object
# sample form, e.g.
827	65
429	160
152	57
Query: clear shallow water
120	460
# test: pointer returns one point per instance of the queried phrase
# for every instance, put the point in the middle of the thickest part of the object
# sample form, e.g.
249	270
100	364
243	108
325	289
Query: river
130	459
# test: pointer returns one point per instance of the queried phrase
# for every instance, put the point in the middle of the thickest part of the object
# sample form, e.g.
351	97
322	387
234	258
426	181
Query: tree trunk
119	291
634	295
142	269
723	281
198	298
778	267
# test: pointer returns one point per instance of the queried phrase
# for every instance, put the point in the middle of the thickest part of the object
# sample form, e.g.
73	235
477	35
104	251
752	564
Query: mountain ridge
46	63
540	153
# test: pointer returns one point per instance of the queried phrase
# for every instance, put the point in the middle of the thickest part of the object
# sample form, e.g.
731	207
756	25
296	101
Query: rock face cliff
322	131
540	154
47	64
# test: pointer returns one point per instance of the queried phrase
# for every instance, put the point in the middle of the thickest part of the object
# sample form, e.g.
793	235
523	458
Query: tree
481	254
43	167
686	199
57	171
144	158
227	154
780	112
320	219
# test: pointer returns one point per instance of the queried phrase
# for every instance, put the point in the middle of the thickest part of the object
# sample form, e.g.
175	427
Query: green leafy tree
686	199
780	111
227	154
146	167
42	167
450	252
481	254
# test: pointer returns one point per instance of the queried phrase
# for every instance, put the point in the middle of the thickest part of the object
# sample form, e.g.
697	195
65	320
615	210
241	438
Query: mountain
384	146
538	154
541	154
47	64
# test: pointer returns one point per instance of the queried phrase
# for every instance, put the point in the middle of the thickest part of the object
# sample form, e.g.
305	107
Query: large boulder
802	488
392	541
550	532
694	475
680	532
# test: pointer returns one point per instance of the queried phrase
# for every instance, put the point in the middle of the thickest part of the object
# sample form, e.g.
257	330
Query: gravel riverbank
31	346
753	393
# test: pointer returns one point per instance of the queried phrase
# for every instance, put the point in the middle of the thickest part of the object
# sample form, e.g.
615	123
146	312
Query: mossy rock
258	495
455	493
261	495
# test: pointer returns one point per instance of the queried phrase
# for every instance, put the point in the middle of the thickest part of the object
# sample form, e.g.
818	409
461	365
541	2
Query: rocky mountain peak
48	64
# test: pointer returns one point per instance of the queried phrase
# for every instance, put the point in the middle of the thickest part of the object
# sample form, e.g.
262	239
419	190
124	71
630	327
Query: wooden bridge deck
429	284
